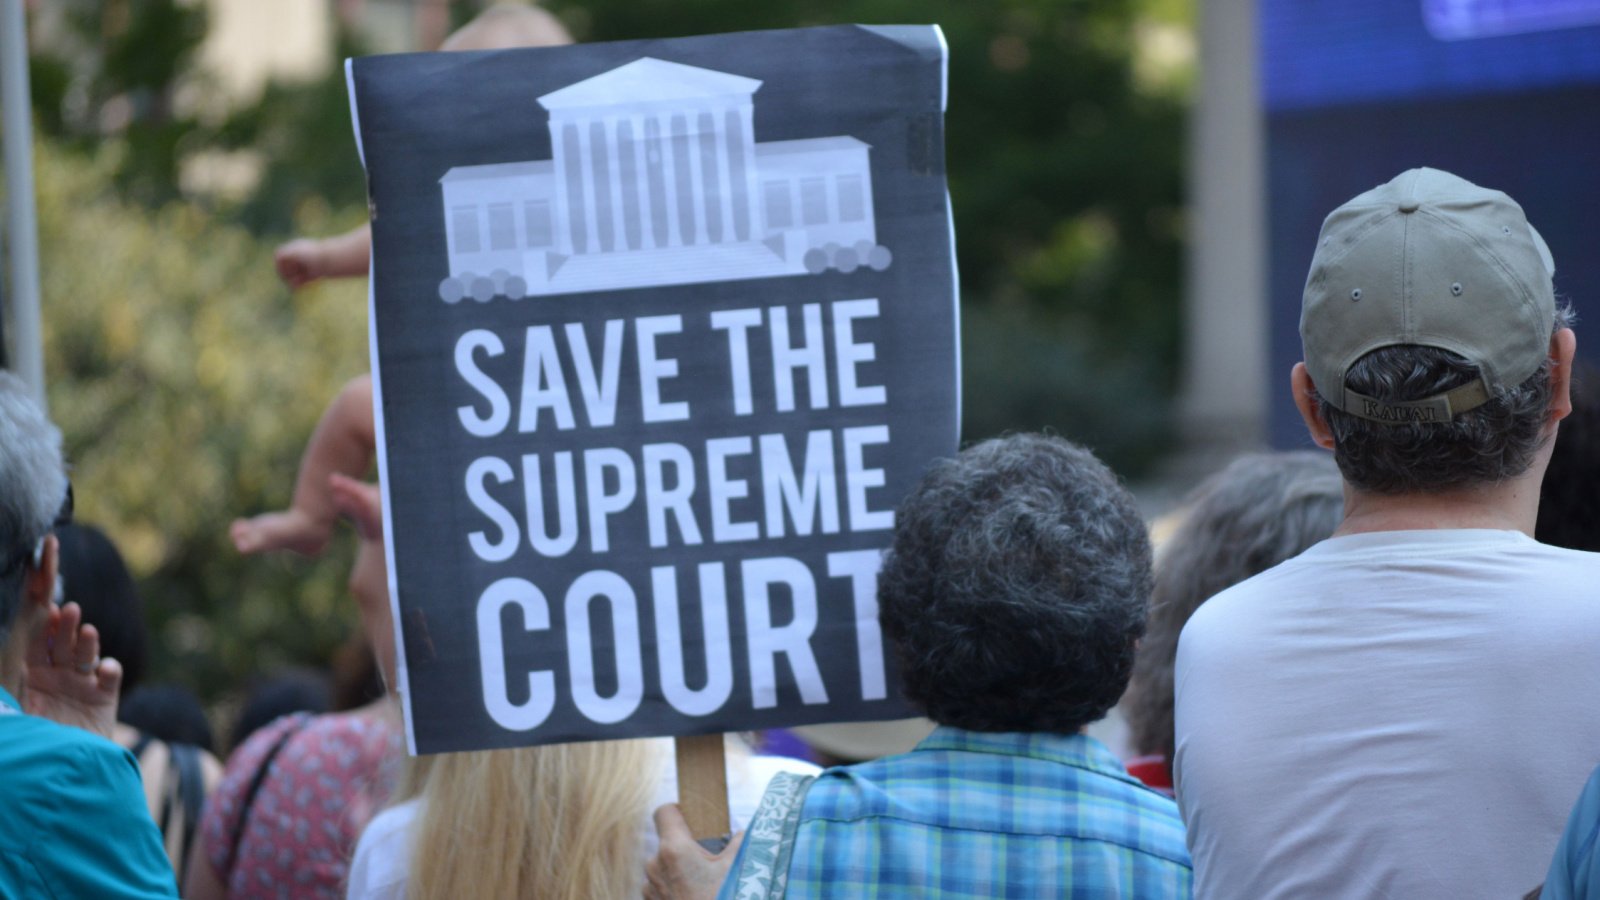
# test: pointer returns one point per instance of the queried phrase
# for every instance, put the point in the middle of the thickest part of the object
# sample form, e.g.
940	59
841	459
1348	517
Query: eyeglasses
64	514
63	517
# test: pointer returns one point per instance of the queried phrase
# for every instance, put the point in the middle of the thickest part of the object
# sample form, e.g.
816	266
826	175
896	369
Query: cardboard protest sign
662	332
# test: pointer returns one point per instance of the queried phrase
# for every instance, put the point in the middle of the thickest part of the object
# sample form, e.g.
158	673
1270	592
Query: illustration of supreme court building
657	180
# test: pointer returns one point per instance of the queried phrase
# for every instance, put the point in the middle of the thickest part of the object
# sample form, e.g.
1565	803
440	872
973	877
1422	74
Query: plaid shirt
971	815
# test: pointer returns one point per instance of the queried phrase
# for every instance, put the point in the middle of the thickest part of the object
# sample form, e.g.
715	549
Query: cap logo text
1383	412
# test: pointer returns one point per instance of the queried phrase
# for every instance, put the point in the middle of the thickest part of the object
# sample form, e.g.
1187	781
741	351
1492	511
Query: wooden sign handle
703	785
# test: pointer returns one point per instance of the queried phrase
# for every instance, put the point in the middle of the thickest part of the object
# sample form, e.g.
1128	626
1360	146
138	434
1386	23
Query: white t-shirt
1390	715
383	855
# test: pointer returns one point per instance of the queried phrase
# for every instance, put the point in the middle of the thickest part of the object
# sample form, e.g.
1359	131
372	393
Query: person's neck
1511	505
13	674
14	656
14	650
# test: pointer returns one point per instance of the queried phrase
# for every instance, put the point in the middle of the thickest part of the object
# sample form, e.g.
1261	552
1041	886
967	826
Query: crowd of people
1361	676
1351	672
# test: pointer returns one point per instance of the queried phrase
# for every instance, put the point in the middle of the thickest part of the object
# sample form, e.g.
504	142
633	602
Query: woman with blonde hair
559	821
562	821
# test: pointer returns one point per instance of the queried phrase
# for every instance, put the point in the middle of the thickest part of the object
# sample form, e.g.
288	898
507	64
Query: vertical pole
22	230
703	785
1223	407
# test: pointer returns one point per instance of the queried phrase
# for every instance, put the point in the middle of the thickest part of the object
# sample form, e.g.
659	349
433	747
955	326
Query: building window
502	227
464	221
780	210
852	199
814	201
537	216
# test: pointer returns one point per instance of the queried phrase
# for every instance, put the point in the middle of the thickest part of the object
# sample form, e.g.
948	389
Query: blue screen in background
1505	93
1328	52
1464	19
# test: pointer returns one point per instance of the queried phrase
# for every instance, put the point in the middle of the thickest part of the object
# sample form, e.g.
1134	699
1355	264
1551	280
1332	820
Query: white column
669	175
619	224
641	161
697	194
1225	378
560	212
591	211
719	122
747	140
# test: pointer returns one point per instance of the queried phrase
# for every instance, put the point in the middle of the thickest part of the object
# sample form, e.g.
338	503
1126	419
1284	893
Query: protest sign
662	331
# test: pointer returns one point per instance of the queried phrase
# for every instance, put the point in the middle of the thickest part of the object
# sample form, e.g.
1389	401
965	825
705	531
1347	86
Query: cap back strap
1438	408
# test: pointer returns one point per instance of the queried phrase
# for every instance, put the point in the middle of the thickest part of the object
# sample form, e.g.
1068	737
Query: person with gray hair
75	822
1013	594
1405	709
1260	510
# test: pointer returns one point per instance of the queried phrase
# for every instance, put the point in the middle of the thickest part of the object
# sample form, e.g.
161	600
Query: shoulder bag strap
763	873
249	797
191	794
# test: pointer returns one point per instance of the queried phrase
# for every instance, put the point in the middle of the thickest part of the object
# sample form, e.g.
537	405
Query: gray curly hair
1016	587
1259	511
33	481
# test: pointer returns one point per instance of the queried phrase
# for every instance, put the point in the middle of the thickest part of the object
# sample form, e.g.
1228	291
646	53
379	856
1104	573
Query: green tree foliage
106	76
1064	140
302	132
113	72
1065	152
185	379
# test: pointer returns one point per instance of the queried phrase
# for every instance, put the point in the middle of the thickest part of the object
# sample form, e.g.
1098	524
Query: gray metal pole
27	351
1224	401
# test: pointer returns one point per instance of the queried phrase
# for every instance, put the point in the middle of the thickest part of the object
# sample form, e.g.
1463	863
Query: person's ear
39	582
1311	411
1563	350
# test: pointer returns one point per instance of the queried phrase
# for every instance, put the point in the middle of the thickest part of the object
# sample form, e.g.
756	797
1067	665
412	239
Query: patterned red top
332	773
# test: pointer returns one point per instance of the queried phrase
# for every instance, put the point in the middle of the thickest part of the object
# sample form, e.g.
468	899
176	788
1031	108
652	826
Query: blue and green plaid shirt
972	815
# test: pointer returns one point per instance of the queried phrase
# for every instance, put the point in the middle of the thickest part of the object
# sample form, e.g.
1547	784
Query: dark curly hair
1486	445
1016	586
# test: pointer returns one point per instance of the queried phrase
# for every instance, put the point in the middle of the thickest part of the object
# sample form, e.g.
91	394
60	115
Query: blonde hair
508	25
563	821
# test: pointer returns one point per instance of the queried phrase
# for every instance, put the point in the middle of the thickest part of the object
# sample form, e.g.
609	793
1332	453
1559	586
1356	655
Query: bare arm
202	882
344	443
304	260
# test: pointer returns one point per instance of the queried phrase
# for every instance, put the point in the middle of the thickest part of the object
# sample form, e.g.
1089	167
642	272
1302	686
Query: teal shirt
73	820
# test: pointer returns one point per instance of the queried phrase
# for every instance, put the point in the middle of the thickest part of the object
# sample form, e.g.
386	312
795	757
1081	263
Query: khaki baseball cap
1433	260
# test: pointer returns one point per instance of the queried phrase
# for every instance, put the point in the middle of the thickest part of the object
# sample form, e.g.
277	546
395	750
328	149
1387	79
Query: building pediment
648	80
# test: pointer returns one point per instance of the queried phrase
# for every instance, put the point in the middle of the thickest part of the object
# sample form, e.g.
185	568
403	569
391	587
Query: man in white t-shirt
1408	708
